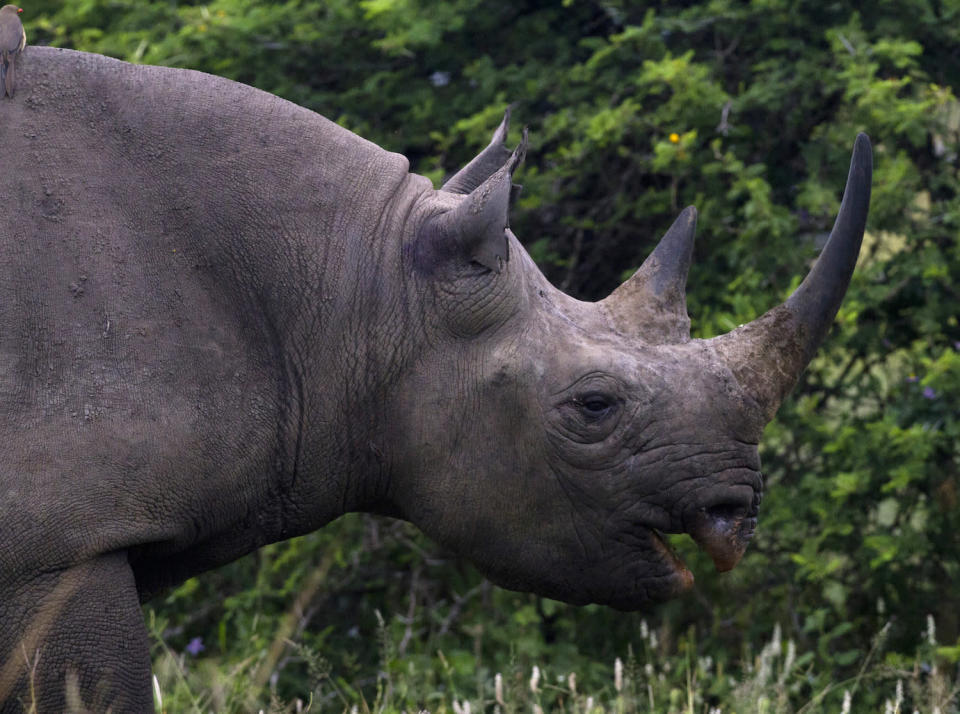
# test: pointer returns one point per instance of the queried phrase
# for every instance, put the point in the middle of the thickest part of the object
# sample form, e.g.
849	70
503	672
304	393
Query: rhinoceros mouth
722	529
681	579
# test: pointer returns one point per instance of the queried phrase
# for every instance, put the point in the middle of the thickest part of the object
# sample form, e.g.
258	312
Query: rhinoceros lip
681	577
722	530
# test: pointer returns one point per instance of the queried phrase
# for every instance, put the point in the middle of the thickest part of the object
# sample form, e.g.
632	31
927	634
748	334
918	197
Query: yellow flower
674	138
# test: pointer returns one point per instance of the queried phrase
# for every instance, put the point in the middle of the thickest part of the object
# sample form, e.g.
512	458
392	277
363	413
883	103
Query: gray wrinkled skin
225	321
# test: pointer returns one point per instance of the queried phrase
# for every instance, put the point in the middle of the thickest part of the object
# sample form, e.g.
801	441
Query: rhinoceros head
553	441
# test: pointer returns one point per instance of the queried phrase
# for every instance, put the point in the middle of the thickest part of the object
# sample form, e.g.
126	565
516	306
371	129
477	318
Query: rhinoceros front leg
82	625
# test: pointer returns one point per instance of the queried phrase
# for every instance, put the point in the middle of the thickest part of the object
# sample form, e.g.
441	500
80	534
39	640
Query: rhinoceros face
552	441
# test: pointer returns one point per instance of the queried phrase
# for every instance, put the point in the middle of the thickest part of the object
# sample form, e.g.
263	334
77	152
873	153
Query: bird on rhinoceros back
12	41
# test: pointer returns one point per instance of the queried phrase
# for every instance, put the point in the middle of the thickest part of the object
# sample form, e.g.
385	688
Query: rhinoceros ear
476	229
484	164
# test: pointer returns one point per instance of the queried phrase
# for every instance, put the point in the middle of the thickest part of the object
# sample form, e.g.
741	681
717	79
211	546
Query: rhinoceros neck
288	223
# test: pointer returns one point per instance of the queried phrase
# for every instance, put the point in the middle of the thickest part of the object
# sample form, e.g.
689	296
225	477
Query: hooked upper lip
723	529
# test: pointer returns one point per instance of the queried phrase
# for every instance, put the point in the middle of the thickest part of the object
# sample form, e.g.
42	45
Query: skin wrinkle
647	520
681	482
399	318
573	503
597	374
703	450
571	429
488	300
690	495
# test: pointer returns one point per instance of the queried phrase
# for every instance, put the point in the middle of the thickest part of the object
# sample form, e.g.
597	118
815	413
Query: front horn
768	355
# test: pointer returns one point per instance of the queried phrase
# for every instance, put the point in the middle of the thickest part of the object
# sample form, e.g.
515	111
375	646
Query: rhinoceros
226	321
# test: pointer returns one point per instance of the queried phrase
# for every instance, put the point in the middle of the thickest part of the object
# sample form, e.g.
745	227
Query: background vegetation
746	109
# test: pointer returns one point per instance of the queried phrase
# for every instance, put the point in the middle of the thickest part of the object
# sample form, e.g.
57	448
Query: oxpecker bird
12	41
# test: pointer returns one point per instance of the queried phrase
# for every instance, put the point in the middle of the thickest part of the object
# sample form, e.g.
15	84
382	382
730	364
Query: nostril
727	512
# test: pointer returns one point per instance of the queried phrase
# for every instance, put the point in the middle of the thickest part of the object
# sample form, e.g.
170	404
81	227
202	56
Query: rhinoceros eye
595	407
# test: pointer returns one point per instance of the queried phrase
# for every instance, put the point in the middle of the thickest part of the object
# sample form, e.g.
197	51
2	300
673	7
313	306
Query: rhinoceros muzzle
724	531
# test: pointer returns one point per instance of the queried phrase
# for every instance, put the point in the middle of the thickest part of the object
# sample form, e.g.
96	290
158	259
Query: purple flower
196	646
956	345
928	393
913	378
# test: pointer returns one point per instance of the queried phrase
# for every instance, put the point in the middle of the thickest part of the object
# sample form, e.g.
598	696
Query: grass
777	680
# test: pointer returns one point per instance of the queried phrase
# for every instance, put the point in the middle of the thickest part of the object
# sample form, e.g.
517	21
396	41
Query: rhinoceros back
170	245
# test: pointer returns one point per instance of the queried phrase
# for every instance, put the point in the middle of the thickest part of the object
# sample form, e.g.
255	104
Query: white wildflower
589	705
156	693
498	689
537	709
535	679
618	675
572	683
648	670
887	707
931	630
847	701
764	669
644	630
788	661
899	699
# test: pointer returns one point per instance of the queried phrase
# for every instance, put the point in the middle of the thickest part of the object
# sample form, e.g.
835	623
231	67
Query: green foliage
672	679
747	110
